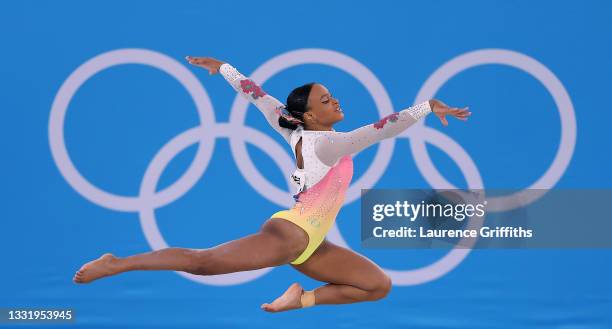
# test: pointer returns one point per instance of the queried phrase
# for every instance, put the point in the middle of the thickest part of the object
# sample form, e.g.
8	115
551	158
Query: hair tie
283	112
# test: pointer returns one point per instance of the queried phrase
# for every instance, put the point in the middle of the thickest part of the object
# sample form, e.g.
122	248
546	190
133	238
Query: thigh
277	243
334	264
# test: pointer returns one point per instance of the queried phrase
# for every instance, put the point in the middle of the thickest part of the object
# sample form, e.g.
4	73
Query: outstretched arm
266	104
329	148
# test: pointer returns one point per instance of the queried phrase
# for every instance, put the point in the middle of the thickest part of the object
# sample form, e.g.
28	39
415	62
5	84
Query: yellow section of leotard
316	208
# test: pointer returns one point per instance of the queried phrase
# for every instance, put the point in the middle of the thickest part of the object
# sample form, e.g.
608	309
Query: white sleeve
331	147
266	104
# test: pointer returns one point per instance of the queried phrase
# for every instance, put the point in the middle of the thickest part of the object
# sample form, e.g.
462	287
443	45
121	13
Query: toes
78	277
268	307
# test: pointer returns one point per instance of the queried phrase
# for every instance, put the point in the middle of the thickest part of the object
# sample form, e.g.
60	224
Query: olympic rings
239	134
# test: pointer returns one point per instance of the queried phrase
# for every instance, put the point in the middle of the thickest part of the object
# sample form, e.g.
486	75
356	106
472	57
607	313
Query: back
313	169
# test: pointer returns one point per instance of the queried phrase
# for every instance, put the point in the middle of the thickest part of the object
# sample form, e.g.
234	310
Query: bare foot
99	268
290	300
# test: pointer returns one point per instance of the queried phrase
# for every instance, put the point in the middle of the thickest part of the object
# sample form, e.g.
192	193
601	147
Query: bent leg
279	242
351	277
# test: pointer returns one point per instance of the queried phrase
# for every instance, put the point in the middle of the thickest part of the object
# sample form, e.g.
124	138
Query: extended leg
278	242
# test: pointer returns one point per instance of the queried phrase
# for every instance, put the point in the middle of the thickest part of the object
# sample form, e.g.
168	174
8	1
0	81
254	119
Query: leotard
327	164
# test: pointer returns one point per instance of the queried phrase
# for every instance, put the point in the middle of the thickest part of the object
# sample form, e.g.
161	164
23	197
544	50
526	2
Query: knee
381	288
198	262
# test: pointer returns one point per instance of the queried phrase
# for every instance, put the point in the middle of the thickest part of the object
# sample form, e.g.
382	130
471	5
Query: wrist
228	72
432	104
220	66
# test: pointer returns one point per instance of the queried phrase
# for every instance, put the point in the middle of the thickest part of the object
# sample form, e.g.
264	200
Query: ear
308	116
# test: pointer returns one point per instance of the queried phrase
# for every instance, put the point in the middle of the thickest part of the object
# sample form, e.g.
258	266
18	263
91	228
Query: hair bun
283	122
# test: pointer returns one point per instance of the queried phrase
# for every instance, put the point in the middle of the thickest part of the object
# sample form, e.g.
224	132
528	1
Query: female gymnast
295	236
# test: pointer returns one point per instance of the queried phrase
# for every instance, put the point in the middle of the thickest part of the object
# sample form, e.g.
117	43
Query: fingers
190	60
461	114
193	60
197	60
456	110
204	62
444	121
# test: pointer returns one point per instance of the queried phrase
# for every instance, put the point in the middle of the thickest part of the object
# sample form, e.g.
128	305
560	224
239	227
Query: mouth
339	110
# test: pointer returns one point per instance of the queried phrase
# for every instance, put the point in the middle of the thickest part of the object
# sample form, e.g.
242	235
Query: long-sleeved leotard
331	146
267	105
336	145
328	167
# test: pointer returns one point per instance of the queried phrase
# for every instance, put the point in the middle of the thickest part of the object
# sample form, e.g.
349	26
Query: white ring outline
456	255
536	69
85	72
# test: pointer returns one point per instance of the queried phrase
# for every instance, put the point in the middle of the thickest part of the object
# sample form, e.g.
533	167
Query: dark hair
297	105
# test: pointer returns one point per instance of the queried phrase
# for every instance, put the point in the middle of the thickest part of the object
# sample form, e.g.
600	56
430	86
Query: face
323	108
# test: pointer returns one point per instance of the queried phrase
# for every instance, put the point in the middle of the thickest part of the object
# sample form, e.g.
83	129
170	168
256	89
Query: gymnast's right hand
209	63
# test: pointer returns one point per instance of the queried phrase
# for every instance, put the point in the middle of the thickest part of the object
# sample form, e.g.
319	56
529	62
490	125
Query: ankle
120	265
307	299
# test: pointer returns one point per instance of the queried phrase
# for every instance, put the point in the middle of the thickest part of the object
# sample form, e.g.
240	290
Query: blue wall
121	117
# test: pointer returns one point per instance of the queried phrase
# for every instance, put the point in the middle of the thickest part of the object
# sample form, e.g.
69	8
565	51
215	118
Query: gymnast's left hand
441	110
211	64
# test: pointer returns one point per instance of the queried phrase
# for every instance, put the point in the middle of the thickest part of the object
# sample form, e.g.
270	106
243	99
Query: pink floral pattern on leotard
248	86
389	118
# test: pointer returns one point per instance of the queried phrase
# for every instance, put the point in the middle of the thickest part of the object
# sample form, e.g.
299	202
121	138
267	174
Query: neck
319	127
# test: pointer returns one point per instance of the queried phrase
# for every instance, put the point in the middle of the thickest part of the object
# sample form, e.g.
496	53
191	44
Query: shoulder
330	135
